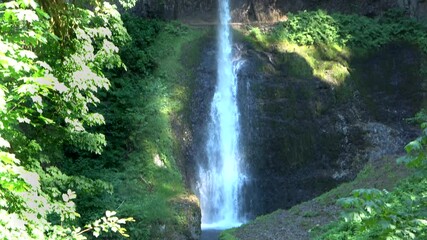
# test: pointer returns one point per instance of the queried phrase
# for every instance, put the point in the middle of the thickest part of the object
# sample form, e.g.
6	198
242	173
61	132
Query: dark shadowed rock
205	11
297	150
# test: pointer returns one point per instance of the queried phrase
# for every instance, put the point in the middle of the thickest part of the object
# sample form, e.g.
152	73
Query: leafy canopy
52	57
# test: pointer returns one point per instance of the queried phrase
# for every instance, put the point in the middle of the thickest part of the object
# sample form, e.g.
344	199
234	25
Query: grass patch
384	177
328	63
228	235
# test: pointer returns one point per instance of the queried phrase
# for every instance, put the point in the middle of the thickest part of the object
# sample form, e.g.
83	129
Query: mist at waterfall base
222	175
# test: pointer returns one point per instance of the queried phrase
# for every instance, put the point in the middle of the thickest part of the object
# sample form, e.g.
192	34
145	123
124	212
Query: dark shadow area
210	234
282	130
390	82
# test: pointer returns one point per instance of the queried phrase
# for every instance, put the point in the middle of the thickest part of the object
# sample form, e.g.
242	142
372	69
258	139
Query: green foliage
375	214
307	28
227	235
138	111
127	3
319	27
146	125
256	34
52	55
416	150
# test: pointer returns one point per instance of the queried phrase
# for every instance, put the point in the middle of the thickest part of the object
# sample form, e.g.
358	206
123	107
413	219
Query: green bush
52	61
307	28
319	27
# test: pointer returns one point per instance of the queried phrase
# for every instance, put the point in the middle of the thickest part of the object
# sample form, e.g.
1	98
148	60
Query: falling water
221	179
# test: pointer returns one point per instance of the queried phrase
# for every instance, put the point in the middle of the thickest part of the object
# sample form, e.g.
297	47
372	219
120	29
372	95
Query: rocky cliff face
300	138
195	10
204	11
275	10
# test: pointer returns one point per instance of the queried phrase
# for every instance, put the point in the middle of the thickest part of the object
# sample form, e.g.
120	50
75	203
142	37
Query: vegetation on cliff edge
328	42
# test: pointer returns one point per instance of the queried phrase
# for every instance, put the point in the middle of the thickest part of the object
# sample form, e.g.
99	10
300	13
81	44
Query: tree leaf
65	197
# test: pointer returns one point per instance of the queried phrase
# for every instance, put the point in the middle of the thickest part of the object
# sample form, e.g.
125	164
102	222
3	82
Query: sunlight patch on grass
327	63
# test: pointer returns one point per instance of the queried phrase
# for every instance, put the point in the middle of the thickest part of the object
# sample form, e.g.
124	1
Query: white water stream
221	179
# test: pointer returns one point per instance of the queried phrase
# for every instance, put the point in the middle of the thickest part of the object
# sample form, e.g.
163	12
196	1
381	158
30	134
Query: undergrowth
319	27
140	160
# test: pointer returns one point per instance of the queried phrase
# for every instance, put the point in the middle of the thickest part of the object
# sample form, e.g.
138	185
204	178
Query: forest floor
308	219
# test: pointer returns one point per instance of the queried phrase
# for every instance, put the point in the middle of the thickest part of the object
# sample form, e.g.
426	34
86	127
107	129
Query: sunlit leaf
110	213
26	15
27	88
421	222
65	197
28	54
413	146
11	4
23	120
2	100
4	143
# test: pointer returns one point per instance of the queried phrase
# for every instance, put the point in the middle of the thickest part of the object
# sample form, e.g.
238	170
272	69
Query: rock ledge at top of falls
205	11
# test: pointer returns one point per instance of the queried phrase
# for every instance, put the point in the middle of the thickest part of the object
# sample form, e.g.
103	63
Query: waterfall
221	178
